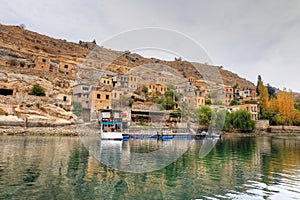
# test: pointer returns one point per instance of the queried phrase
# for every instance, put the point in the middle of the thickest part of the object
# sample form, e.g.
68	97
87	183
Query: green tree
203	115
207	102
242	121
297	106
259	82
176	113
227	122
297	122
168	103
234	102
271	90
37	90
145	89
77	108
263	96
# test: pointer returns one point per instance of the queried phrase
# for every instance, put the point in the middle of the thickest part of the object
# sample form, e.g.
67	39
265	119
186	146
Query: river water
233	168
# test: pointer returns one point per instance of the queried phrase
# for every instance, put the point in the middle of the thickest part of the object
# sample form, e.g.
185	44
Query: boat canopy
111	123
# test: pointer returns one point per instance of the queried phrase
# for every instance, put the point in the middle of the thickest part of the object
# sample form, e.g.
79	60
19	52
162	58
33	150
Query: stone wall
262	124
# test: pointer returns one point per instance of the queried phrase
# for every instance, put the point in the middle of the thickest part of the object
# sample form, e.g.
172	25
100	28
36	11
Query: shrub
207	102
234	102
145	89
203	115
77	108
242	121
37	90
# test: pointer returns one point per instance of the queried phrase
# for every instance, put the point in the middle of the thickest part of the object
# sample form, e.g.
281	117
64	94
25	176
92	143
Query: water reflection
128	157
61	168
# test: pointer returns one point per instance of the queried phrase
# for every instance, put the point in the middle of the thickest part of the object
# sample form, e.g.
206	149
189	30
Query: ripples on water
236	168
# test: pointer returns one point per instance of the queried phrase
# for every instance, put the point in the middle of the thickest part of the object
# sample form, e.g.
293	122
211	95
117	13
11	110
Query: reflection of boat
207	134
214	135
110	122
201	134
166	137
110	152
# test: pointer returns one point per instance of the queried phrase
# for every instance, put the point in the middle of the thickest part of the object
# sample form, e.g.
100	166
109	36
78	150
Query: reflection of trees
231	163
284	156
76	172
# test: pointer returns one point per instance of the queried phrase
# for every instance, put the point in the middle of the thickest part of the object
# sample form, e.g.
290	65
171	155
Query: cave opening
6	92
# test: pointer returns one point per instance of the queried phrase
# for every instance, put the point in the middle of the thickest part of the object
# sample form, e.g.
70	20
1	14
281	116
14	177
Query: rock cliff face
28	58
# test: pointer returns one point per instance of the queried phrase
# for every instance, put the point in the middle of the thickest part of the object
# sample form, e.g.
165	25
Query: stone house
62	98
130	82
154	87
81	93
229	95
68	68
100	99
42	63
200	101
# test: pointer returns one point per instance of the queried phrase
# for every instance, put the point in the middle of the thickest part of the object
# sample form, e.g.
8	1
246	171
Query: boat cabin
110	120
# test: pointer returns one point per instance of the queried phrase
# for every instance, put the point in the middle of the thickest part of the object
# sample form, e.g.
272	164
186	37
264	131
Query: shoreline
71	131
262	133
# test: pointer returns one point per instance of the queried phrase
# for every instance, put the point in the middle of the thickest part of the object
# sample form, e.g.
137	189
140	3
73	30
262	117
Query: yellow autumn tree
273	105
286	107
263	97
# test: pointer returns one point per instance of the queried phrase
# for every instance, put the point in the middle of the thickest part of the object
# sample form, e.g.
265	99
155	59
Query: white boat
111	125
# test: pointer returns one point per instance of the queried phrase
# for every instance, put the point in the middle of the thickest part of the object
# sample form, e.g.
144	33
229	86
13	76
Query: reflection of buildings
41	161
235	165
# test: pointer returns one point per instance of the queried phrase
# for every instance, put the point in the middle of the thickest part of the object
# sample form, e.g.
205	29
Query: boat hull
111	136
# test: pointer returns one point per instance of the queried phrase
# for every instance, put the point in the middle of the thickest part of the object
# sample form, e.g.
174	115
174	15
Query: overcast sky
247	37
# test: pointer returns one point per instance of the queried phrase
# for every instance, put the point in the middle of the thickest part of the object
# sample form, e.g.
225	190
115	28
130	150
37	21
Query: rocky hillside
19	53
16	42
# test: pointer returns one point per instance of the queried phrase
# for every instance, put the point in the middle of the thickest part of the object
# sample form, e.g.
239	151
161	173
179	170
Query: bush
228	122
242	121
77	108
37	90
207	102
145	89
234	102
203	115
